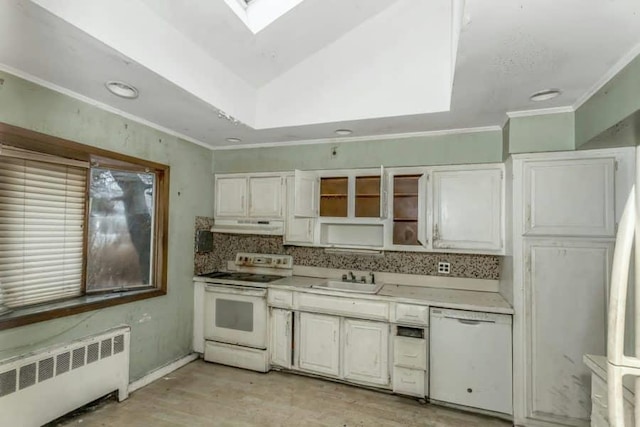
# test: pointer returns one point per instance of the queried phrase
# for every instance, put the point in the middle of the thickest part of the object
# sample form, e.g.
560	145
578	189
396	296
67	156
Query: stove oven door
236	315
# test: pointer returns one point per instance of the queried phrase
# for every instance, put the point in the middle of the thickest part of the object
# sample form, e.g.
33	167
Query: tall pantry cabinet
565	209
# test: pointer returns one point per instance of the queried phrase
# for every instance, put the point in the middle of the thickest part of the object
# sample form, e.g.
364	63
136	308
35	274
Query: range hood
248	226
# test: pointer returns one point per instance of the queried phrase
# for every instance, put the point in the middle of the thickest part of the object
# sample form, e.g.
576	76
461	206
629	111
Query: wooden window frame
47	144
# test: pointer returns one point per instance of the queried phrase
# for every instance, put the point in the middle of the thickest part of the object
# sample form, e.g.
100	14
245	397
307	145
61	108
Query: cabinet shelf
367	195
405	219
333	195
405	194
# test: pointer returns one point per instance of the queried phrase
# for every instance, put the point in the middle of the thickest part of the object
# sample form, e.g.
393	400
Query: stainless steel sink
355	287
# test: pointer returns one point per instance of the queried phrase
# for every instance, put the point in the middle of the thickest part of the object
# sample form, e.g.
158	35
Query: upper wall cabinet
341	194
569	197
408	197
348	206
265	196
249	195
468	208
231	196
299	229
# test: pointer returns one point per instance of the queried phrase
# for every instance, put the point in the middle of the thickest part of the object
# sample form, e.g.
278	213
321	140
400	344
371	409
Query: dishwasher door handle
469	321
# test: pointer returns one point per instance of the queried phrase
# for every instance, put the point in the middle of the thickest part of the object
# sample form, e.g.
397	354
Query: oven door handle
236	290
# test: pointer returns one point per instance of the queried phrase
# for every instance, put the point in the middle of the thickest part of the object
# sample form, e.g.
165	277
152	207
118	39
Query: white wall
366	73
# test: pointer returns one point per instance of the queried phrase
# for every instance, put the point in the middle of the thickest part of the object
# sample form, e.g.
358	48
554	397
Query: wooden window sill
48	311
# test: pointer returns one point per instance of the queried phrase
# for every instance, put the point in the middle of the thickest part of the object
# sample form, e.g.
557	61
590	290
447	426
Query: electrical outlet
444	268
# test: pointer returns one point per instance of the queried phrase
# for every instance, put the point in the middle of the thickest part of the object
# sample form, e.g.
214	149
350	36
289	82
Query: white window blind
41	230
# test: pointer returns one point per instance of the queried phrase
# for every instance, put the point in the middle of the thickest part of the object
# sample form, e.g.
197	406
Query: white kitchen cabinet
407	224
280	341
231	196
569	197
258	196
410	353
265	196
346	206
319	344
410	362
298	229
565	205
366	348
411	314
467	209
410	382
566	283
306	196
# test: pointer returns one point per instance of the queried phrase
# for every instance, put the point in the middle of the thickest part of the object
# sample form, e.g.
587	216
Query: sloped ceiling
373	66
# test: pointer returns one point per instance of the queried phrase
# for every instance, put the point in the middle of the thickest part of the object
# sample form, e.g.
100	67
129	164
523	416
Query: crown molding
64	91
610	74
540	112
361	138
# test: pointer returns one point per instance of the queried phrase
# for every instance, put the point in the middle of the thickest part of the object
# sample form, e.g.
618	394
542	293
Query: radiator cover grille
86	369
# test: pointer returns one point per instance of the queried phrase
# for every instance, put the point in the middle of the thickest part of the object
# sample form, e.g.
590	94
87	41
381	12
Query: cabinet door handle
288	330
436	234
334	336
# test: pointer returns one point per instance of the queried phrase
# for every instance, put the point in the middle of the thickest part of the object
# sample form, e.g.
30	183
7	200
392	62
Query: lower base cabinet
280	341
366	351
350	349
410	363
319	349
410	382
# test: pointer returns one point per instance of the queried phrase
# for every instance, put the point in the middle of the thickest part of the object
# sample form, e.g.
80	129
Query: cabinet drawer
409	382
411	314
278	298
342	306
410	353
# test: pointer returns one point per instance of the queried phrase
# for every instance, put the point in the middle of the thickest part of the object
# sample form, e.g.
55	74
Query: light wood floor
205	394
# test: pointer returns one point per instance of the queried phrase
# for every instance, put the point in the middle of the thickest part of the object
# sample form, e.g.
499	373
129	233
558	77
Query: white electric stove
235	310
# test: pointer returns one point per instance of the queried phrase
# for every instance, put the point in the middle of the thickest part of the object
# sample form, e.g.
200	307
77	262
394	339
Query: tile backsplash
225	247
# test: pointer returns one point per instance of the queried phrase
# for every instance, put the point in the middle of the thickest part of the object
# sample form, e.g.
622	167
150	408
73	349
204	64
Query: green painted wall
614	102
161	327
546	132
479	147
505	140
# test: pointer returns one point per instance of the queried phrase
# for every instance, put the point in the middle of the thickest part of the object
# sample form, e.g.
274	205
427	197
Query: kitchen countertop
490	302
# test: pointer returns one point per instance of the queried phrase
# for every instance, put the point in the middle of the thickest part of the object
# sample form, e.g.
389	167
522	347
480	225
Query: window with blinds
42	211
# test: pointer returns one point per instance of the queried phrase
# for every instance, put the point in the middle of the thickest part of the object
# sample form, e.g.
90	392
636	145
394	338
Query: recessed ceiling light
344	132
234	140
121	89
545	95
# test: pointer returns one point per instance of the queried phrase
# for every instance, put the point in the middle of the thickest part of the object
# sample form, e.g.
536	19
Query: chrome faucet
352	277
373	278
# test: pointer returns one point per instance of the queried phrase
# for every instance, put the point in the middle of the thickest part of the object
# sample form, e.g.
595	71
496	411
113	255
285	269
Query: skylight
258	14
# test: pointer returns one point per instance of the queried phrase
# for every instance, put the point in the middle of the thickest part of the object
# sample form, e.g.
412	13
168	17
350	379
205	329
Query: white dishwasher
470	360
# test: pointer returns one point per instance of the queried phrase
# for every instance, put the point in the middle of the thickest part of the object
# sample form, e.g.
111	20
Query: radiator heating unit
40	386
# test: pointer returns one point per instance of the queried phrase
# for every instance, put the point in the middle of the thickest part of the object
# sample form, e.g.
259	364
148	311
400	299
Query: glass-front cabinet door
334	196
405	210
408	195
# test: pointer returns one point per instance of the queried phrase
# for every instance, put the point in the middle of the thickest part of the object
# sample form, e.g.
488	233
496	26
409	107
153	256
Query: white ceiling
374	66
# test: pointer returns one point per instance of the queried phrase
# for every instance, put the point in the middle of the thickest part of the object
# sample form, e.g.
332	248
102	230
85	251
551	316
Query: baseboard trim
161	372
